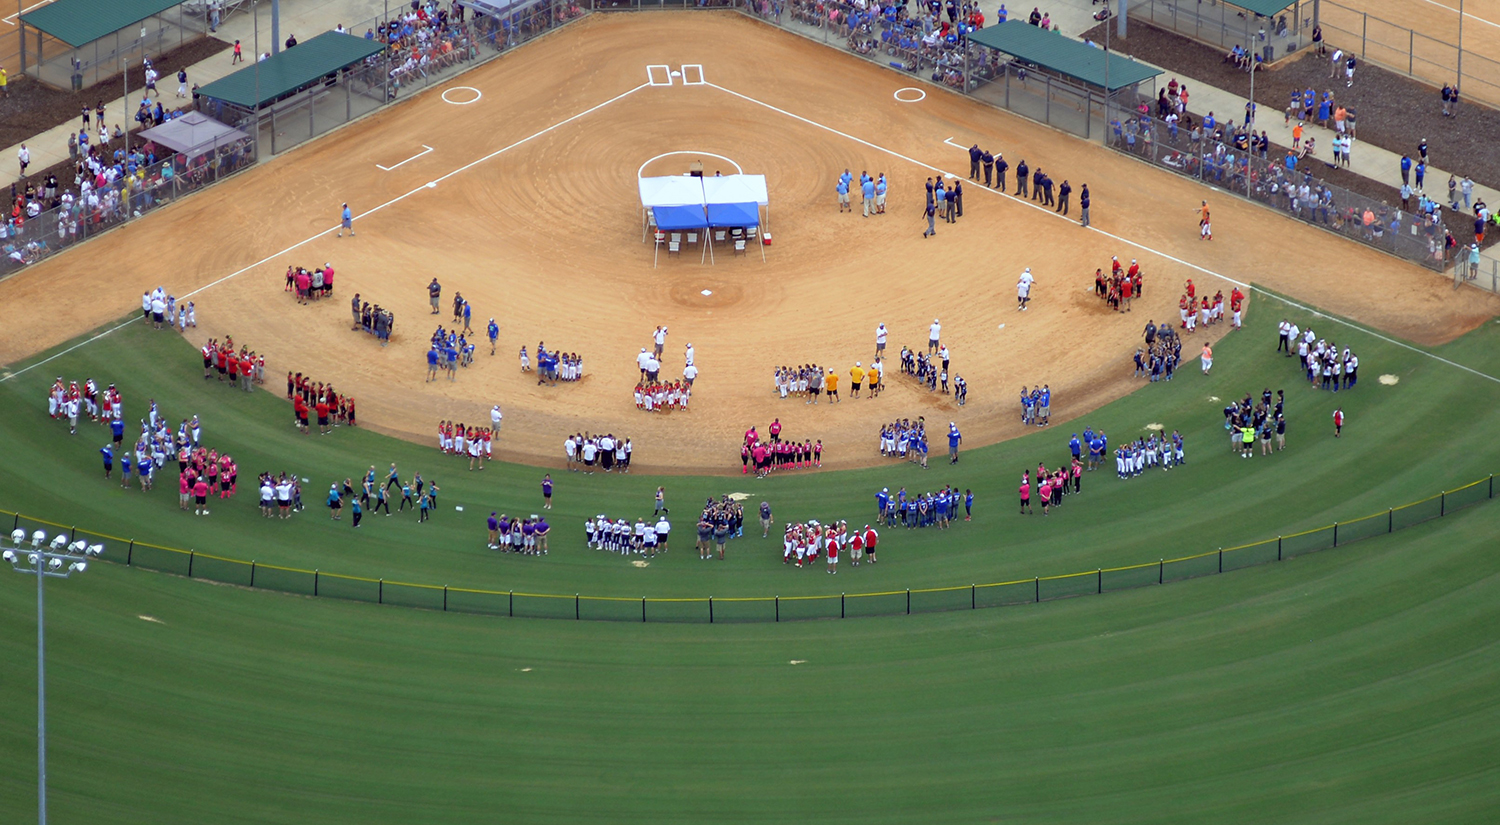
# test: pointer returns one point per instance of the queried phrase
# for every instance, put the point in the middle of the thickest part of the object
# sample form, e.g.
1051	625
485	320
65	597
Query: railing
130	197
577	607
1269	181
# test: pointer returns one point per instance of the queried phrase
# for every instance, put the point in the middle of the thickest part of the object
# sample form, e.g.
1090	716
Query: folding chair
739	246
676	243
692	237
750	232
718	236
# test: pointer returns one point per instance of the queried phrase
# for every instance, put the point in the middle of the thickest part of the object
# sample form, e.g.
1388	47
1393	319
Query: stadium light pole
60	559
125	99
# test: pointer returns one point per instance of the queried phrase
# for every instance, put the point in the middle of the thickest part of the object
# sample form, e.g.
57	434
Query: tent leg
761	242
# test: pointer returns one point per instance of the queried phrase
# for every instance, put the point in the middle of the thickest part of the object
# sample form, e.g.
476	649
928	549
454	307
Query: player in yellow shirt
832	386
856	377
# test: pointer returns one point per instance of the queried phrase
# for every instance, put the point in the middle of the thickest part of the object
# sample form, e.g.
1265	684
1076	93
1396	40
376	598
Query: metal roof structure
292	69
79	22
1264	8
1065	55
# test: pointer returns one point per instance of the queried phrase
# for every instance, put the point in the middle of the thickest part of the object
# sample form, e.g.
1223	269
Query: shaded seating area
689	209
71	44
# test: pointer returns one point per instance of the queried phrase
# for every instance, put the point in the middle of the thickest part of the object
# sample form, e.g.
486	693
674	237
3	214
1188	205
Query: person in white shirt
660	338
662	528
934	335
641	361
689	373
495	416
880	336
689	355
24	156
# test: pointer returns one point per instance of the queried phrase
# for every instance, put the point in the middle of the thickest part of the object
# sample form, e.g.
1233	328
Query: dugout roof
79	22
1065	55
193	134
1264	8
292	69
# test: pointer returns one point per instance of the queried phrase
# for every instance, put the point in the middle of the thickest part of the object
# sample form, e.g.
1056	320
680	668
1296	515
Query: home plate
1389	379
707	292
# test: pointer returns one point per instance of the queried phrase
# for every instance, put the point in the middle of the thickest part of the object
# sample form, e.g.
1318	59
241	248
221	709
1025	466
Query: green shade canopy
77	22
1063	55
1265	8
291	70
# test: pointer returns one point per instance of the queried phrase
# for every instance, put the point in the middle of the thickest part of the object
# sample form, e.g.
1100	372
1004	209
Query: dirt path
546	237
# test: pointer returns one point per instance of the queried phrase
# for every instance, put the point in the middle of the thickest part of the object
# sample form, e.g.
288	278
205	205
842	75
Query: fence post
252	573
841	605
73	534
973	596
643	610
1492	485
908	601
1443	504
1221	560
380	592
577	612
512	604
1390	520
1161	571
16	523
192	554
710	609
1278	548
1039	589
315	582
1100	571
129	551
445	598
1411	48
1335	534
778	608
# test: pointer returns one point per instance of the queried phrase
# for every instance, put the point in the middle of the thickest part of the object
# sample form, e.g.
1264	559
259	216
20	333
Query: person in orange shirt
1205	229
856	377
1208	358
832	386
1297	136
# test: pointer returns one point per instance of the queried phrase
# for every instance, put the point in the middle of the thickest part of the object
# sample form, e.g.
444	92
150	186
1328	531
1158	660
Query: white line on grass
1113	236
309	240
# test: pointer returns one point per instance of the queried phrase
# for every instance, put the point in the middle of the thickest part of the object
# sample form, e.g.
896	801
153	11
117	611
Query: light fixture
77	546
17	536
59	541
78	566
54	563
10	556
94	549
38	537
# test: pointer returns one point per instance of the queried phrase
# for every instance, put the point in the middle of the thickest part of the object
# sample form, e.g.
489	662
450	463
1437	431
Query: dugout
1263	27
303	91
1054	79
71	44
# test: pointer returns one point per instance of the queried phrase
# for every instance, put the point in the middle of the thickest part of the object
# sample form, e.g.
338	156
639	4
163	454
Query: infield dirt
546	238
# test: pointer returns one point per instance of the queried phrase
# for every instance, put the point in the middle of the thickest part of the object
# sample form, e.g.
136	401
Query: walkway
304	18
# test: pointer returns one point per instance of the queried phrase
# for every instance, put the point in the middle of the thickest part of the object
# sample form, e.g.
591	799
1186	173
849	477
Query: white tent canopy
736	189
677	190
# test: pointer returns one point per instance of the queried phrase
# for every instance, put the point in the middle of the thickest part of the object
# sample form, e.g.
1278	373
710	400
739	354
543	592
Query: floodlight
95	549
77	546
9	555
59	541
78	566
38	537
32	558
55	564
17	536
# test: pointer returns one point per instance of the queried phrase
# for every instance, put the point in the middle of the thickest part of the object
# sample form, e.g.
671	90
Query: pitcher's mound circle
461	99
921	95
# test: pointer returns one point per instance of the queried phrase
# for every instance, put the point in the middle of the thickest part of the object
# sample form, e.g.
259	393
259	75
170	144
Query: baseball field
1354	684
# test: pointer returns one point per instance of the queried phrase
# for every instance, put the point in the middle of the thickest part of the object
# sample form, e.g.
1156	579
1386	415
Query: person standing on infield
931	214
1083	206
346	221
954	438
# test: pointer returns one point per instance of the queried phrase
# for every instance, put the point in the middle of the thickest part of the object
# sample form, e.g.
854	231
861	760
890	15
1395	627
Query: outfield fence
578	607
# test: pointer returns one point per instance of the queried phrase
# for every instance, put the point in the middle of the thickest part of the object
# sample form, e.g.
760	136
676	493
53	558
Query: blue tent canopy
733	214
677	218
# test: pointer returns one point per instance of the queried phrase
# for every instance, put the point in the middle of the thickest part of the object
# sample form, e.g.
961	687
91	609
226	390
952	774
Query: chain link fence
1289	187
577	607
102	203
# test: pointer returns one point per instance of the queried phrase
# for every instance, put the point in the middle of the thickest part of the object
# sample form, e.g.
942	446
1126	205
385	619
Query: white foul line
1466	14
1135	244
9	18
362	215
425	150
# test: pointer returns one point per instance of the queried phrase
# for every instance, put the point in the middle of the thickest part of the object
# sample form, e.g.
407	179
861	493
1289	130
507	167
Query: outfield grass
1403	442
1355	685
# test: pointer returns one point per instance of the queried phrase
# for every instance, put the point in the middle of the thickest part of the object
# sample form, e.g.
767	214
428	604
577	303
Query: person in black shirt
434	291
1083	206
1022	173
988	160
1000	167
975	153
1063	192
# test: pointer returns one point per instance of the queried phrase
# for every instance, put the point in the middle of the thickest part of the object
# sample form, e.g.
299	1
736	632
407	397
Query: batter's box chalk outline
658	74
691	71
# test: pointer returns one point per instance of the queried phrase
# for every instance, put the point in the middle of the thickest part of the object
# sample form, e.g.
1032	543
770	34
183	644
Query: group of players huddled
804	543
